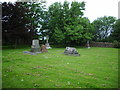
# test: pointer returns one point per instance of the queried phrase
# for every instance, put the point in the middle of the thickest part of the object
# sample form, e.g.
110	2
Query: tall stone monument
88	44
35	46
47	44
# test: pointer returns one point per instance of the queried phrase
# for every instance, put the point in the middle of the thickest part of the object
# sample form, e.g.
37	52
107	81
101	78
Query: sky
93	8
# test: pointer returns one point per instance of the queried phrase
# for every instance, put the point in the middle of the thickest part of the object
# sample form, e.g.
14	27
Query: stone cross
47	44
47	38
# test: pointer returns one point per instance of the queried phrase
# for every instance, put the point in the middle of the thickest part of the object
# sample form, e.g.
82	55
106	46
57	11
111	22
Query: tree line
64	23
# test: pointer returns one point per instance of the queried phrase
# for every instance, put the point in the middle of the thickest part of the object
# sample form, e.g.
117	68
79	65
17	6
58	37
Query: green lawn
95	68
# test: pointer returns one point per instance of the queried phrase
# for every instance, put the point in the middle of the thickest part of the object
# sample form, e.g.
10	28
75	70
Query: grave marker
71	51
35	46
47	44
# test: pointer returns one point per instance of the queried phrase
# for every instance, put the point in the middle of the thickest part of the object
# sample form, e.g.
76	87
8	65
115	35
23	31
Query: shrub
116	44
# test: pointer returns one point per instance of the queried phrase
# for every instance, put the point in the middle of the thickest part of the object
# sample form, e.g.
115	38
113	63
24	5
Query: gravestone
43	49
47	44
88	44
71	51
35	46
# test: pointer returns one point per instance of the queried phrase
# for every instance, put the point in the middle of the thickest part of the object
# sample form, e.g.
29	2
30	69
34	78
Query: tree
116	31
103	27
66	23
56	23
13	21
21	21
72	26
36	15
88	29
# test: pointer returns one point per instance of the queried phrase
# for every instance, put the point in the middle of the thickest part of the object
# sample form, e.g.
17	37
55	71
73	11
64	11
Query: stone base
72	54
88	47
47	46
71	51
31	53
35	49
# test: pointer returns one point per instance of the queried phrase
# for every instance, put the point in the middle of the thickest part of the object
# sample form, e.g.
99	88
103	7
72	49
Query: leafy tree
56	23
72	23
66	24
35	14
21	21
116	31
88	29
13	21
103	27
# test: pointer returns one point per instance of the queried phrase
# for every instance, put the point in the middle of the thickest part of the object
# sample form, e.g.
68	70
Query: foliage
103	27
67	24
116	31
64	23
116	44
35	14
13	21
21	21
55	22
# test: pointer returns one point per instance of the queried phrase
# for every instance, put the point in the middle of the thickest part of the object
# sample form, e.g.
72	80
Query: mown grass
95	68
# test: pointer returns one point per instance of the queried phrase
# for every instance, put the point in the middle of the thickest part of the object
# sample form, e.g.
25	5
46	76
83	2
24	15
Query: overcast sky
93	8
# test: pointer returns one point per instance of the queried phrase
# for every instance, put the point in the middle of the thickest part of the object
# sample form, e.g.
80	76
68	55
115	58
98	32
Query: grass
95	68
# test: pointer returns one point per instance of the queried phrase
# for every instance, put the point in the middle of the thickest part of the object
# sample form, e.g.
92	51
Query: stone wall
101	44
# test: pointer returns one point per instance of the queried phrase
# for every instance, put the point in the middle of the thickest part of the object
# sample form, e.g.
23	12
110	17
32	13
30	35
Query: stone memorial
71	51
88	44
47	44
35	46
43	49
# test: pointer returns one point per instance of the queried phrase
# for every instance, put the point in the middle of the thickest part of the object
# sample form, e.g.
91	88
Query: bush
116	44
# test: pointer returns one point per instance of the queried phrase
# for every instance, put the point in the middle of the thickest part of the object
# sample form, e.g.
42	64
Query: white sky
94	8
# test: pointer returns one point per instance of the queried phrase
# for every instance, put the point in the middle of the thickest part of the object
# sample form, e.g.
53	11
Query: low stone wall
101	44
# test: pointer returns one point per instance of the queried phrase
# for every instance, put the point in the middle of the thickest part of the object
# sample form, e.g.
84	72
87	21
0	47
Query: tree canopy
67	25
116	31
13	21
103	27
20	22
64	23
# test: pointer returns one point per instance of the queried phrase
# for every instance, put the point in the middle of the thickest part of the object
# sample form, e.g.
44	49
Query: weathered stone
35	42
47	44
43	48
71	51
88	45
